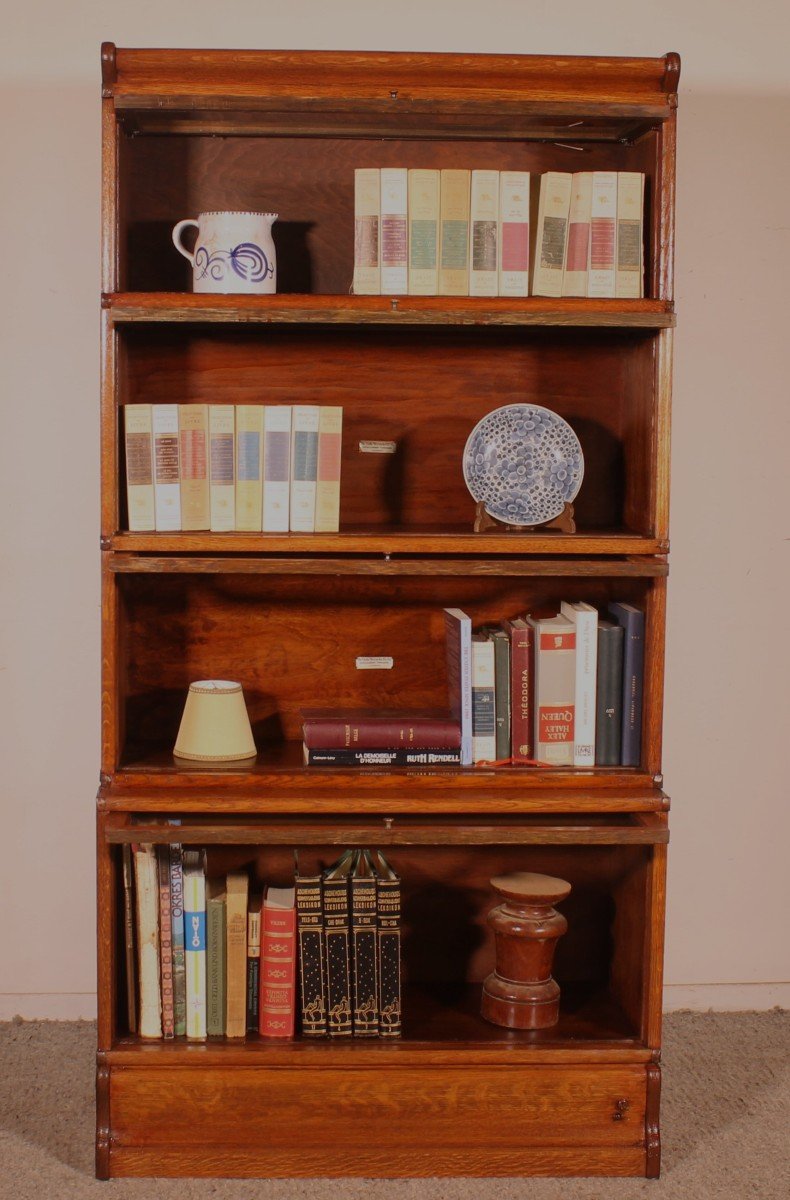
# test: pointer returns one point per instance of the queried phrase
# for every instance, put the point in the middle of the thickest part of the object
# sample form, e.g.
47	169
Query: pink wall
727	706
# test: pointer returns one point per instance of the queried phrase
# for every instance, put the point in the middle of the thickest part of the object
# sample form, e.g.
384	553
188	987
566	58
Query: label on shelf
378	447
381	662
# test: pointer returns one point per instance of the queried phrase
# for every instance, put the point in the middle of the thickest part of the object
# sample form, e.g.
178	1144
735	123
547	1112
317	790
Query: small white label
381	662
378	447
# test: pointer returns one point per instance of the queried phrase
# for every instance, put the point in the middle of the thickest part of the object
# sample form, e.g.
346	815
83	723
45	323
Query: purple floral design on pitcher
247	260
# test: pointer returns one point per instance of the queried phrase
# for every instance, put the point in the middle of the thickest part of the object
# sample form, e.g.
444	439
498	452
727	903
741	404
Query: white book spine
513	248
483	701
574	281
195	944
167	474
394	231
139	467
249	461
304	466
147	882
483	233
222	452
423	232
551	237
629	283
585	618
276	468
367	230
458	628
603	220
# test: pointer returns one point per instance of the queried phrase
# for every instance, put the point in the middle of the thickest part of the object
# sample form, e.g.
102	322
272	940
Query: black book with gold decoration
310	931
388	923
363	943
336	936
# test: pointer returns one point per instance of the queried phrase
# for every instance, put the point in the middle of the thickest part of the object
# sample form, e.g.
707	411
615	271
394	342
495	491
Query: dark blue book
609	695
632	620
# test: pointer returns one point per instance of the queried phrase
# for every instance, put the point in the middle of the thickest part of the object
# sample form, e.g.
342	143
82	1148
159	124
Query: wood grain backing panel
394	1108
369	1160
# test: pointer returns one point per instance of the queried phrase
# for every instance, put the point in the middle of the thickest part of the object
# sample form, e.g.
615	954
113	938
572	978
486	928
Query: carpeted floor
725	1124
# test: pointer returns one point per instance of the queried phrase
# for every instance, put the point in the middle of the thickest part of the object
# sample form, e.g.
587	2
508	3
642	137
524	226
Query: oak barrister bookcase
188	131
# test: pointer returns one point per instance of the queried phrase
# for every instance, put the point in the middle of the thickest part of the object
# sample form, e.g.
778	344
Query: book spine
394	231
128	930
381	733
483	233
221	477
249	464
277	468
458	629
363	941
629	283
236	957
304	467
138	429
586	623
215	966
147	886
342	757
633	622
454	203
337	970
521	698
310	927
165	943
514	233
177	928
167	486
367	218
603	220
195	947
609	695
389	973
502	694
483	700
327	488
574	281
423	232
278	972
555	693
253	967
193	450
551	238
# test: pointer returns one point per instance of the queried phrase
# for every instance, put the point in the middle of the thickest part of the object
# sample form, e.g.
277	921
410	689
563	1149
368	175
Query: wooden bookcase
185	131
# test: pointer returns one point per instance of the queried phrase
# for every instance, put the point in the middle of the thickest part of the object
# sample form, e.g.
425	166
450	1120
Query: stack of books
209	957
427	232
233	468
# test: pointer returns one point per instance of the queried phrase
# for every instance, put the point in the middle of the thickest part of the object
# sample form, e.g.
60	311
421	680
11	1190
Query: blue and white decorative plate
524	463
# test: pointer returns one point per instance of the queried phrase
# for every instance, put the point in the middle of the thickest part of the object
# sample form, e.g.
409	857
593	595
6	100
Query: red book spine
166	943
521	685
381	733
278	972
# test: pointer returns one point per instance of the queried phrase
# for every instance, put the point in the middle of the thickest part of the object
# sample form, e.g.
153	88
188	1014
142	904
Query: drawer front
320	1113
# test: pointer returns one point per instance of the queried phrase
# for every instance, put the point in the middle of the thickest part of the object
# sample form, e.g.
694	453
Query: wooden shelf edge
181	307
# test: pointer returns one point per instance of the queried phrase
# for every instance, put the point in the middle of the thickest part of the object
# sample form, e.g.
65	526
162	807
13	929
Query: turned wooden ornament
520	993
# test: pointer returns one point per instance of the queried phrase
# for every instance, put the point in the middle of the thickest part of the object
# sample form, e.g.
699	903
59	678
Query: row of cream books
427	232
233	468
215	957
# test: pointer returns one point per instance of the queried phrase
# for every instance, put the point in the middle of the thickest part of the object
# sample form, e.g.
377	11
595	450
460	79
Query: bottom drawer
386	1121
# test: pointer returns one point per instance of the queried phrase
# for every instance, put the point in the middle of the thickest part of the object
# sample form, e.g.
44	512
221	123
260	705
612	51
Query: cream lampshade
215	726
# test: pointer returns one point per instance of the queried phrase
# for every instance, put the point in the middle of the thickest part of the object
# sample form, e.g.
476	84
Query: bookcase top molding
605	98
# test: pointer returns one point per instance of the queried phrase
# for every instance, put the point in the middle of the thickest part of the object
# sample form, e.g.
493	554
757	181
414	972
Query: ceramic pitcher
234	251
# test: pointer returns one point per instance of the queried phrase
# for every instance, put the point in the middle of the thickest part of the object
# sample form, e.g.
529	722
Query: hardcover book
367	215
327	488
574	281
629	276
394	231
165	942
177	928
483	233
458	633
585	618
423	232
277	468
194	865
378	729
501	642
167	487
221	426
310	929
147	890
381	757
253	962
388	923
521	688
304	466
216	920
338	958
603	216
278	963
236	891
555	689
454	233
193	450
363	947
551	233
609	695
249	467
483	704
514	213
128	930
138	428
632	620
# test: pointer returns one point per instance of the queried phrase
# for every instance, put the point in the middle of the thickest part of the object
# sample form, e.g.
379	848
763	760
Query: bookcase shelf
191	131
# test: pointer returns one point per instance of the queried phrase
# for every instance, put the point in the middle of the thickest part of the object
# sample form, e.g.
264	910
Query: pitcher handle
177	231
